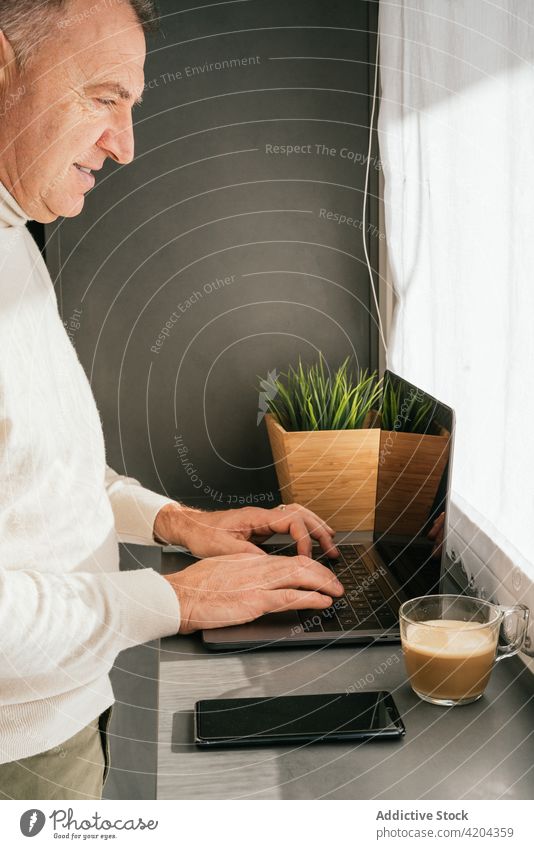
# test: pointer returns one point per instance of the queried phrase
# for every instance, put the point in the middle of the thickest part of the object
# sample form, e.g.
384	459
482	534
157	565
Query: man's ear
7	58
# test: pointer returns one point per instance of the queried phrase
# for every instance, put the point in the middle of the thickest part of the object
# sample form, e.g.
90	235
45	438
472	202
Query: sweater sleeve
61	631
134	507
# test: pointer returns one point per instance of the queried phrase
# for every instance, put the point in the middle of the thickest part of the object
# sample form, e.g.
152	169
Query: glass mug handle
514	624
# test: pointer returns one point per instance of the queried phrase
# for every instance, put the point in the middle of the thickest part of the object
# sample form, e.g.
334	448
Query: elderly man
70	72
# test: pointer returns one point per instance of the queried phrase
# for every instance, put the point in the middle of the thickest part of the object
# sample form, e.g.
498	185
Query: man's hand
436	534
234	531
238	588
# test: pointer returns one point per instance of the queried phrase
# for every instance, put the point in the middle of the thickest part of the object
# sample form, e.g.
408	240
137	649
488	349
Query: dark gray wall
207	199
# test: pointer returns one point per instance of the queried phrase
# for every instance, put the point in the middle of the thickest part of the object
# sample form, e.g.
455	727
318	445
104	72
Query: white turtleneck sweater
65	609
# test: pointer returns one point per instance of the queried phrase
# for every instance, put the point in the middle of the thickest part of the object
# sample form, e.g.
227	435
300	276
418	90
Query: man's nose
118	142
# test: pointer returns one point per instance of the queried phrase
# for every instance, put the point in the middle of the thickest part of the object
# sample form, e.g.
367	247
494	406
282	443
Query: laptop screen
413	482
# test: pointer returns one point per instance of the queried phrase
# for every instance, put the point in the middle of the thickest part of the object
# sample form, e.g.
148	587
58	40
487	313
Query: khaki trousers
76	769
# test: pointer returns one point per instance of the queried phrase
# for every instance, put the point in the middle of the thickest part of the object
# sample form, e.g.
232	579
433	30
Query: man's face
75	109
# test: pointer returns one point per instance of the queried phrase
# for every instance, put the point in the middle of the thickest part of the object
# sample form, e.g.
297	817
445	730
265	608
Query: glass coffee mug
451	644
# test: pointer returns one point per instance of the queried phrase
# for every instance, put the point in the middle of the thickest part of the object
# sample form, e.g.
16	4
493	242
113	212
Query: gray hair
27	23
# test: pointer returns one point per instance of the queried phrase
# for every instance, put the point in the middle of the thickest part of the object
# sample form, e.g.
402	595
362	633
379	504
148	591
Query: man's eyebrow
117	89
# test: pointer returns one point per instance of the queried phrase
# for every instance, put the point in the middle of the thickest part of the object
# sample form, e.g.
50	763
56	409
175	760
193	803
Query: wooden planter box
362	480
332	472
411	467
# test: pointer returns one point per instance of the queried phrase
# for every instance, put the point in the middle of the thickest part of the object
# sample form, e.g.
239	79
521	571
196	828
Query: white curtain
456	133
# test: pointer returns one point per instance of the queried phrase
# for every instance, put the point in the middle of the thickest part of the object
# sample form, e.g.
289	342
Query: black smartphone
297	719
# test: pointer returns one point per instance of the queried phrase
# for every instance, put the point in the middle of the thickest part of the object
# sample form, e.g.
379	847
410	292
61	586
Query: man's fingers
316	521
299	532
313	527
320	531
303	530
437	527
288	599
323	538
303	573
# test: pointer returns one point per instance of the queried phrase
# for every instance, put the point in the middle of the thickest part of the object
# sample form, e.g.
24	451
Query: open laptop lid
414	473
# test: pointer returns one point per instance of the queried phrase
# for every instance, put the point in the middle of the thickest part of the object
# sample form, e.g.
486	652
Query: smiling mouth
87	177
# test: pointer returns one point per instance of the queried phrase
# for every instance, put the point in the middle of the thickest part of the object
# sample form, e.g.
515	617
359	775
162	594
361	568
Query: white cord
364	211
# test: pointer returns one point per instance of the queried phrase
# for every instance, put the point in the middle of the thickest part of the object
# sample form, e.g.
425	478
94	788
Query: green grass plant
310	397
405	413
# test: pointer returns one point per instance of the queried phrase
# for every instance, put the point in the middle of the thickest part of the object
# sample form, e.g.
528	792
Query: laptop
399	558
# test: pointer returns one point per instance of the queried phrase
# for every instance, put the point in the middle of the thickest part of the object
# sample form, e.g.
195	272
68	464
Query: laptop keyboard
364	604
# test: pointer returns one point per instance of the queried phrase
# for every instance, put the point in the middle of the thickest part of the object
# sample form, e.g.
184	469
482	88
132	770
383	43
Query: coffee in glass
451	643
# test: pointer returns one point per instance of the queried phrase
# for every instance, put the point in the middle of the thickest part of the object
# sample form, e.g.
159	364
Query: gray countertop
479	751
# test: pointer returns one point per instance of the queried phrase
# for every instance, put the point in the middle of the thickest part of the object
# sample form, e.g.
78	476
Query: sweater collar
11	214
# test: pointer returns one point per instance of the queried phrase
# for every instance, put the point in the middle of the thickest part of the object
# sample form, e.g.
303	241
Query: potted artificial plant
325	441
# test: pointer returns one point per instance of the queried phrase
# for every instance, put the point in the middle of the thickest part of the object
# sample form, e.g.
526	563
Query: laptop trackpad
266	629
